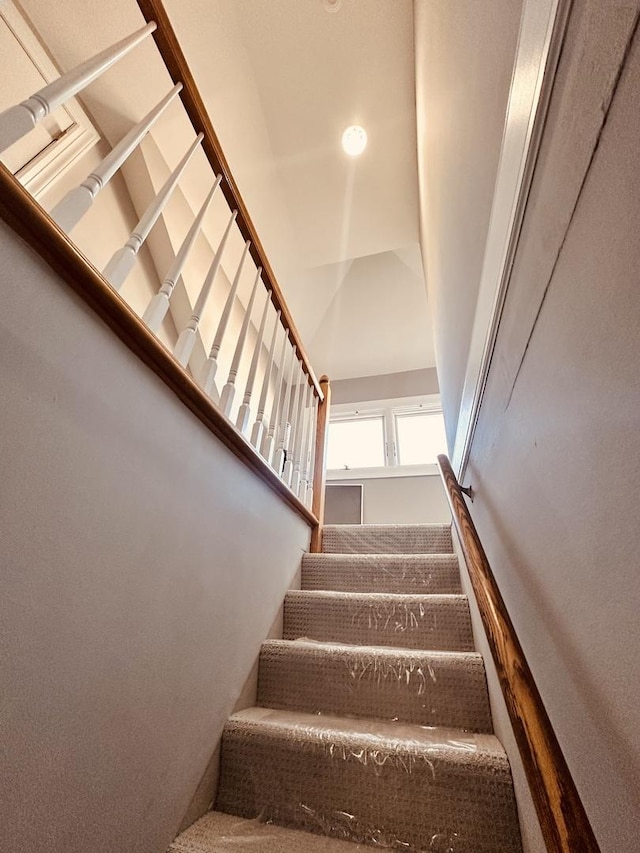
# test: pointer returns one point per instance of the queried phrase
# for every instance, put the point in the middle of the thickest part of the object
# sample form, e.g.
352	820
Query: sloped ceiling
282	80
376	321
318	73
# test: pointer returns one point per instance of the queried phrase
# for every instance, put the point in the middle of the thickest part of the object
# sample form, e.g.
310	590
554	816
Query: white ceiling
317	73
281	81
376	321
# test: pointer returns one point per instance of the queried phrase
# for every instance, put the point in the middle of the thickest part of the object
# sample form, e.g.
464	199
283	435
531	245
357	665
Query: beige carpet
377	619
374	725
222	833
426	688
393	573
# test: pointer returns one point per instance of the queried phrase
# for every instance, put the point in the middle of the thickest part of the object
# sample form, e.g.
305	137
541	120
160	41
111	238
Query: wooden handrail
176	63
35	226
564	822
320	464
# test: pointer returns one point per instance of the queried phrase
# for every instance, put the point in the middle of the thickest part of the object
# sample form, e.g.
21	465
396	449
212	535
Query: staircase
373	723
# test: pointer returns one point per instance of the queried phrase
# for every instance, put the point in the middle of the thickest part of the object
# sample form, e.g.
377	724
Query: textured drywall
555	461
465	52
143	564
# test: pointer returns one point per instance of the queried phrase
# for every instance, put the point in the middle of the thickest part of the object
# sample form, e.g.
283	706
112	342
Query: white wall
554	460
465	52
385	386
403	500
143	565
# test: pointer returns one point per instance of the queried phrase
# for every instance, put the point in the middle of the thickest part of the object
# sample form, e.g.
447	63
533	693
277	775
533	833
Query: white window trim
59	155
387	410
383	473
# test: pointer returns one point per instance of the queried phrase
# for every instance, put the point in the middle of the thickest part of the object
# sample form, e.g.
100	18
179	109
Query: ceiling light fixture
332	5
354	140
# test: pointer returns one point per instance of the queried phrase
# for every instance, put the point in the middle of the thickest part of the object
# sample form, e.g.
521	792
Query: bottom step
373	782
222	833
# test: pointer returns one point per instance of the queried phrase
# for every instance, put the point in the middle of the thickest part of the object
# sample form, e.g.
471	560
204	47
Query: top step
387	539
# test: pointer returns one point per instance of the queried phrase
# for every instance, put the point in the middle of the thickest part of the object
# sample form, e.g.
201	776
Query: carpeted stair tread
426	688
374	728
434	622
222	833
387	539
395	573
374	782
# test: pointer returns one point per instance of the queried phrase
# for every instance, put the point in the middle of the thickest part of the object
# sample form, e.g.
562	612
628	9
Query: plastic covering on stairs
373	726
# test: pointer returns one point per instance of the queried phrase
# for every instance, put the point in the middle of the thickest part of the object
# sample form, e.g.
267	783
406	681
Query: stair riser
413	574
422	624
381	798
387	539
411	688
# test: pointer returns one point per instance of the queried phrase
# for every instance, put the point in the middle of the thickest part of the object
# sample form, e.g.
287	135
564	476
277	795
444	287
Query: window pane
356	444
421	437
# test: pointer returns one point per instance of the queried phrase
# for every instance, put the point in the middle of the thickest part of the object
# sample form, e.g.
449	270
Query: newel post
319	464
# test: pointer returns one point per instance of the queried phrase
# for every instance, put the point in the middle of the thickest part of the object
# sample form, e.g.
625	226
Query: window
388	437
420	437
356	443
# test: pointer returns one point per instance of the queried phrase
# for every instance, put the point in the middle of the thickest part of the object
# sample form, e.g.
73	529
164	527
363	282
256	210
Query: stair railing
563	820
318	463
286	451
77	202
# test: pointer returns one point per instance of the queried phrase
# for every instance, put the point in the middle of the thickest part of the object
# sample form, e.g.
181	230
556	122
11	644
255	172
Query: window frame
412	413
387	410
372	415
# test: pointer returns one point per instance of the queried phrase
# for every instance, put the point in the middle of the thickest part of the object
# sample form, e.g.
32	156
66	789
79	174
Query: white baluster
18	120
208	379
159	305
284	426
268	438
258	427
289	449
245	408
300	445
301	481
187	337
70	210
123	261
307	446
311	456
229	390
